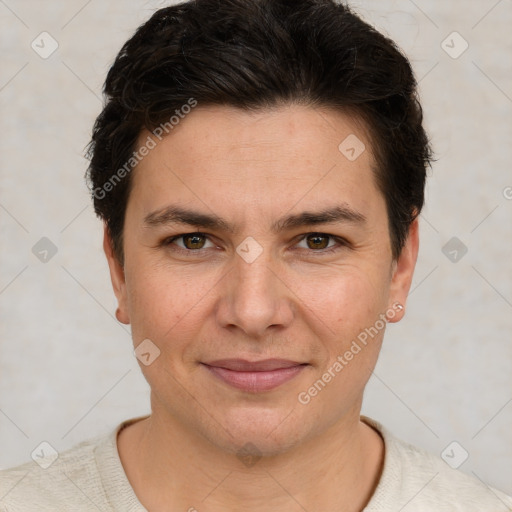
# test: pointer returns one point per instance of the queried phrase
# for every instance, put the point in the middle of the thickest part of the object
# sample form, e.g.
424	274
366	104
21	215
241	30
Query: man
259	166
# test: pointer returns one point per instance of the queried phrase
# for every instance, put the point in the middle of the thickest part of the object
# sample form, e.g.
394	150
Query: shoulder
419	481
439	485
64	481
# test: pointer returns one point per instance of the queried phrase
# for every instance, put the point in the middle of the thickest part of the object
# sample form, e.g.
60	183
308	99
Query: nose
255	297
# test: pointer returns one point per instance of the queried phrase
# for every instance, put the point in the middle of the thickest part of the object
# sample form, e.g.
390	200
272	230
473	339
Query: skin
294	301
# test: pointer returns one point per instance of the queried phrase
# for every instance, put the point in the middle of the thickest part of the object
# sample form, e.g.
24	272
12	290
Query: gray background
67	371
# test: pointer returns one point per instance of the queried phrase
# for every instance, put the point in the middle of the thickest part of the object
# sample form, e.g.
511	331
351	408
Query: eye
194	242
318	242
191	241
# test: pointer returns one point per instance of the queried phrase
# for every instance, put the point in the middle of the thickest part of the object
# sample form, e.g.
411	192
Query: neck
170	464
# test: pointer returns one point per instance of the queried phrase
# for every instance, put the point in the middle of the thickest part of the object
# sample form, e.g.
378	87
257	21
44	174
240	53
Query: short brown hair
256	54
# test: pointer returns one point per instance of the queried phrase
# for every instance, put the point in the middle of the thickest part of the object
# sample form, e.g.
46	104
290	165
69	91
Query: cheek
349	310
347	307
344	299
165	302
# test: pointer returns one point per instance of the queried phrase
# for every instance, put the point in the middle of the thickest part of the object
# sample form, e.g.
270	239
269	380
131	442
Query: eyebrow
177	215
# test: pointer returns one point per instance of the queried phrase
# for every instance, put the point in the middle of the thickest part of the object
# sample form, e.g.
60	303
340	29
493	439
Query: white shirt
90	477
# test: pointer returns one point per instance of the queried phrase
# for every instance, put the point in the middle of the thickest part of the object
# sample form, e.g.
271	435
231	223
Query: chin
259	432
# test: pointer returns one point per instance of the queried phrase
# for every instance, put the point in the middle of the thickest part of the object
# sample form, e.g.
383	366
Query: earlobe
403	271
117	277
122	317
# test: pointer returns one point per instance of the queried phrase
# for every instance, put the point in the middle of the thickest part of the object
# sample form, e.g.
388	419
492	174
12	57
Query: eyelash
189	252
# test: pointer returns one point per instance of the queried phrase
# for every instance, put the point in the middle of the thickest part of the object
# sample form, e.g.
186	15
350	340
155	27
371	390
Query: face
252	237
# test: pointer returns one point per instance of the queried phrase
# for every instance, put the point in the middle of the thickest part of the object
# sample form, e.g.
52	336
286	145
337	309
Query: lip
255	376
242	365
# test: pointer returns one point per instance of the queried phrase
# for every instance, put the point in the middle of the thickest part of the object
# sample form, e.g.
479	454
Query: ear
117	277
403	270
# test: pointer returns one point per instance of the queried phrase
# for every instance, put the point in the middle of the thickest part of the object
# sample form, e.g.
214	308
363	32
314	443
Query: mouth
254	376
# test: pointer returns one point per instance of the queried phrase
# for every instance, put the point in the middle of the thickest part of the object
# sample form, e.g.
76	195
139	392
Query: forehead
268	132
223	157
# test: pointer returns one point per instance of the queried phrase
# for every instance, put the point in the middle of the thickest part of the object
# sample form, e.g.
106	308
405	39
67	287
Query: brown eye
321	243
189	242
193	241
318	241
